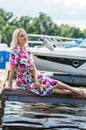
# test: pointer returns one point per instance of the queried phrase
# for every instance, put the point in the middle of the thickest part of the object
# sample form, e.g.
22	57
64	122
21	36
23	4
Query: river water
41	116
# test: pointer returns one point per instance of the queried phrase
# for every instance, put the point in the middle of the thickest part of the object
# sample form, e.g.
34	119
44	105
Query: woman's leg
63	88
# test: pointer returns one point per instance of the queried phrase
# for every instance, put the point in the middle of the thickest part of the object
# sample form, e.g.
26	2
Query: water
41	116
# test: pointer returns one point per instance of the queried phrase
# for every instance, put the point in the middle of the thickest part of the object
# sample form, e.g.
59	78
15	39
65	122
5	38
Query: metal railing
55	40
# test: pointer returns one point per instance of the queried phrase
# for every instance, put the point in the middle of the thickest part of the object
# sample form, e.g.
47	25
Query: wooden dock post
2	105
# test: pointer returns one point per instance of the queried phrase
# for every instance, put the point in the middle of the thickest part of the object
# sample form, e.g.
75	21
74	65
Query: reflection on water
41	116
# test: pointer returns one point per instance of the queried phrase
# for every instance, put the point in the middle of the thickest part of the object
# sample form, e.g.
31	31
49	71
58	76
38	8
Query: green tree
23	22
42	24
84	33
7	34
71	32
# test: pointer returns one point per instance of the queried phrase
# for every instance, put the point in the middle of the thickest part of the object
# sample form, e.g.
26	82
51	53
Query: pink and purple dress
23	61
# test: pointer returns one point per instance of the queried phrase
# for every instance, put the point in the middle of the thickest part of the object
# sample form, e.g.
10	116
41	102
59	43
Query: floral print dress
23	61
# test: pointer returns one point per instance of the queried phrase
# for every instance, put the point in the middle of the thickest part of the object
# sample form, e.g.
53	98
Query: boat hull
71	61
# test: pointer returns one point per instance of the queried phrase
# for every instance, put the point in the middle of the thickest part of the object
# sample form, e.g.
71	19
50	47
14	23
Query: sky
71	12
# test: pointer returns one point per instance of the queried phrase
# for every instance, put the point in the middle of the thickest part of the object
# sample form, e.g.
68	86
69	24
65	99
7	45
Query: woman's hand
37	84
8	87
12	69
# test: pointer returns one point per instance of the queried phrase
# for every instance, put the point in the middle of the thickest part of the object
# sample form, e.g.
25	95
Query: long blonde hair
14	41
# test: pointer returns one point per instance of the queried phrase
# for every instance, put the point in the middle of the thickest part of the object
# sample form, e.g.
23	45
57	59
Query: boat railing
53	37
55	40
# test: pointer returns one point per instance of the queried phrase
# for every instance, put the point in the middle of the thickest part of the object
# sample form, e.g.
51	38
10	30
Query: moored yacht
59	59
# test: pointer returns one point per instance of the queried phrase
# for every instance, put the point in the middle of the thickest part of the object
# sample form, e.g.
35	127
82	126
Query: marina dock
26	96
29	97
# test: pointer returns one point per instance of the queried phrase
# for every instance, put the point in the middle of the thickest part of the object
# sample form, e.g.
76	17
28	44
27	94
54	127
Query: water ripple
21	116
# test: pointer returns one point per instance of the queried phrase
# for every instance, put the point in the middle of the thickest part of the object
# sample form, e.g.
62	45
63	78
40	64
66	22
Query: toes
82	94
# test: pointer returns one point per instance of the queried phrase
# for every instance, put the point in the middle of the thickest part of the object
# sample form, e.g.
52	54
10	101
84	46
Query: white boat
59	59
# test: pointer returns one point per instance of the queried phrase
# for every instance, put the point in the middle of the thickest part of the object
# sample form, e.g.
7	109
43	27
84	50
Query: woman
27	76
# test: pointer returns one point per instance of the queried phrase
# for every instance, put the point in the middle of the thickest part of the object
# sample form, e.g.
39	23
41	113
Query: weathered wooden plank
29	97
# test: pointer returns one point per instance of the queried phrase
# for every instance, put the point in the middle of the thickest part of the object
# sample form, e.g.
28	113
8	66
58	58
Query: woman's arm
12	69
35	73
36	82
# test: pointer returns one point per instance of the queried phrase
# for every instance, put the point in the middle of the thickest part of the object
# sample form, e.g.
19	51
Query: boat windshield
83	44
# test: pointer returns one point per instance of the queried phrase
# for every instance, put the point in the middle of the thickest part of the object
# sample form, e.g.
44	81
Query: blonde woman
27	76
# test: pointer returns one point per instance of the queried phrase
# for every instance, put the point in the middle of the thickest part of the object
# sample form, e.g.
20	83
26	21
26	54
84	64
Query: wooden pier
29	97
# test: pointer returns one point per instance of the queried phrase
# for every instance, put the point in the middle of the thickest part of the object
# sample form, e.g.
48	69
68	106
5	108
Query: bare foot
5	88
81	94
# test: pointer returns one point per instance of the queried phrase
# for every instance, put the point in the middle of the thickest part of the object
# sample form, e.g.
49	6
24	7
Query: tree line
42	24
